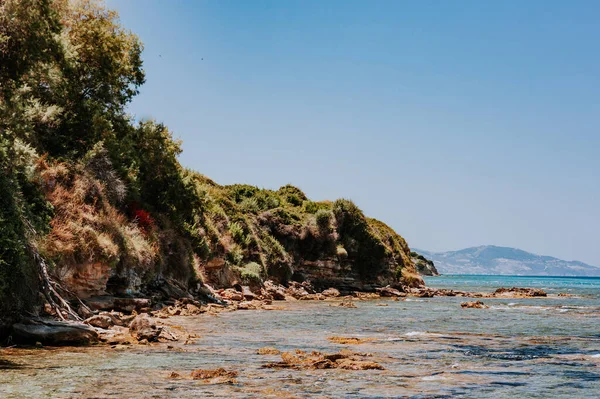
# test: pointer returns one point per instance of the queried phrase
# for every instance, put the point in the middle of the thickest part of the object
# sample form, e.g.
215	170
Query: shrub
251	272
241	191
341	252
237	232
310	206
364	248
323	219
235	255
249	205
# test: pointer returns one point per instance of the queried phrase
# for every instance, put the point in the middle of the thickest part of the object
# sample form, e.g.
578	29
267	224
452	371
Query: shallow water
430	347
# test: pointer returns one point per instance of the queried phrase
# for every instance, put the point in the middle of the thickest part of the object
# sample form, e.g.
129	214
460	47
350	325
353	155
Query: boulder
100	321
144	327
116	335
51	332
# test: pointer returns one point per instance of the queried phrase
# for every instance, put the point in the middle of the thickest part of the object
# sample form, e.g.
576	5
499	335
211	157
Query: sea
430	348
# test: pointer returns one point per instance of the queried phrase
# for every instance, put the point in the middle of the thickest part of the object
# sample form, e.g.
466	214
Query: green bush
237	232
323	219
364	248
251	272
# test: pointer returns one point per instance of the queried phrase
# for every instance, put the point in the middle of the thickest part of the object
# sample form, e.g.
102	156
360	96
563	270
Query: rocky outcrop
424	266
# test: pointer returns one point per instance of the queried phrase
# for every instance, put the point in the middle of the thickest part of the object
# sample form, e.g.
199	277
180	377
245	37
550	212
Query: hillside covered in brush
95	202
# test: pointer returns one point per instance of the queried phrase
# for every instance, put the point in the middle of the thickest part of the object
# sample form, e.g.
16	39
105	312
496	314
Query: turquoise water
589	286
430	348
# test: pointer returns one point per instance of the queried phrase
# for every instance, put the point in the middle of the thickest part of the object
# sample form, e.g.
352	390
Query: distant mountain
489	259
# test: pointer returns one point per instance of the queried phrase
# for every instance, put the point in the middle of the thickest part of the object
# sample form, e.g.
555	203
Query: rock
108	302
144	327
331	293
268	351
86	279
475	305
116	335
349	340
277	292
216	376
247	293
298	290
389	292
51	332
366	295
312	297
520	292
118	318
231	294
128	305
171	289
167	335
351	364
425	294
345	360
100	321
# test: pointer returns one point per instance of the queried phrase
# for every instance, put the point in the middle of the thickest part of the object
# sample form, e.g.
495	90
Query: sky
458	123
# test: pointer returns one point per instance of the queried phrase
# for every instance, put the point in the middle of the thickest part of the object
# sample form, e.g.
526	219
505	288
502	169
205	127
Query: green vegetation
86	185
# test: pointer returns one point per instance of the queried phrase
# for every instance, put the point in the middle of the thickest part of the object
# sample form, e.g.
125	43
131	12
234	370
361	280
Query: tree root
48	285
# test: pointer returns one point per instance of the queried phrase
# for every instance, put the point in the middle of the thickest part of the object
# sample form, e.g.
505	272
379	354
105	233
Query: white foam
434	378
415	333
596	356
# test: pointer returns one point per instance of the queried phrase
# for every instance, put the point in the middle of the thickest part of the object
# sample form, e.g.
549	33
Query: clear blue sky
458	123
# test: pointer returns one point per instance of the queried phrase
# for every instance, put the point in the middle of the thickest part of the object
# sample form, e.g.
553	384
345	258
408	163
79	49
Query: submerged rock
516	291
345	360
216	376
475	305
51	332
349	340
267	350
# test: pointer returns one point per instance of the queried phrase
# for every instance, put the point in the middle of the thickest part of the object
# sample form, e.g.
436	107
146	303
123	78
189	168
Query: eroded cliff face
100	245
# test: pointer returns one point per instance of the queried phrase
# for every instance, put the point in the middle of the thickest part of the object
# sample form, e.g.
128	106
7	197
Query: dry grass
86	228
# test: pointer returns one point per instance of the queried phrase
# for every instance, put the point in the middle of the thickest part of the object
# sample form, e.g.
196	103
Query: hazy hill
490	259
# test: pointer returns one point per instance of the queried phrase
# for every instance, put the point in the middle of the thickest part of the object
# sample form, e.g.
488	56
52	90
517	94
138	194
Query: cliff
94	203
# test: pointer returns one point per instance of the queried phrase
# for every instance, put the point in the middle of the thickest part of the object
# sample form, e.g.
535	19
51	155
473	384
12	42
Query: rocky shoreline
126	321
